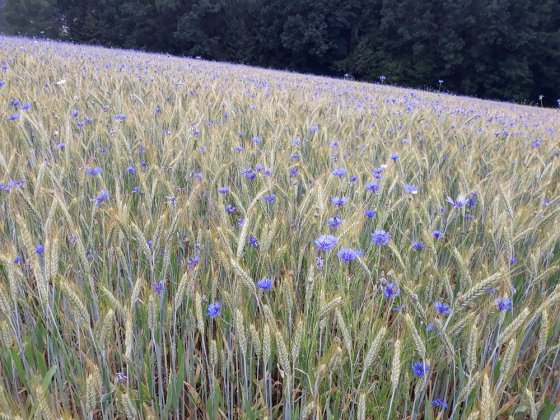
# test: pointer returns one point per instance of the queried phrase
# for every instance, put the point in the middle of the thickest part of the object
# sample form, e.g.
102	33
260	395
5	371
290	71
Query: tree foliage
503	49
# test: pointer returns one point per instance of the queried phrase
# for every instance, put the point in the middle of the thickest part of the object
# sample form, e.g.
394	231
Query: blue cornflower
295	156
339	171
293	172
14	103
380	237
442	308
458	202
512	260
395	156
239	149
39	249
335	144
438	402
411	188
391	290
418	246
348	254
214	309
420	368
104	195
259	167
60	146
252	241
353	178
270	198
74	113
120	117
377	173
94	171
372	186
16	260
26	106
193	261
504	303
130	170
339	201
251	175
440	81
436	234
230	208
136	189
223	190
471	200
296	141
314	128
265	283
382	78
369	213
268	172
257	140
335	221
325	242
13	117
12	185
2	83
158	288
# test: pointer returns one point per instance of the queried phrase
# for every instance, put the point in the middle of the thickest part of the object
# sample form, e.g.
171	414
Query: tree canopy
501	49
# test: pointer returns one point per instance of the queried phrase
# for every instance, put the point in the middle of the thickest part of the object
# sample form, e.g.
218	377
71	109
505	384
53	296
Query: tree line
500	49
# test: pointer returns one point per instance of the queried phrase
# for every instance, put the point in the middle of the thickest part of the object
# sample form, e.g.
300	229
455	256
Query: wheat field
188	239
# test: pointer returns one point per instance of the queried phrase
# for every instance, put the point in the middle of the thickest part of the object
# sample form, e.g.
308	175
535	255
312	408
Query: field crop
181	238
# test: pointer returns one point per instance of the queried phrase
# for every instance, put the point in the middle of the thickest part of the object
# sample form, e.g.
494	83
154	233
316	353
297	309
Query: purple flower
265	283
391	290
325	242
39	249
314	128
504	304
130	170
193	261
257	140
16	260
418	246
438	402
335	221
395	156
512	260
94	171
26	106
252	241
339	172
270	198
369	214
74	113
380	237
13	117
14	103
377	173
214	309
420	369
12	185
411	188
60	146
348	254
158	288
104	195
120	117
436	234
223	190
293	172
2	83
372	186
442	308
339	201
471	200
230	209
353	178
382	78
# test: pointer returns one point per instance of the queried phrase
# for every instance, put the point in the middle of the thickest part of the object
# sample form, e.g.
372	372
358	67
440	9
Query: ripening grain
181	238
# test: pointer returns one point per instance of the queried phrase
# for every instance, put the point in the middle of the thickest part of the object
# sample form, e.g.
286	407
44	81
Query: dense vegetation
503	49
188	239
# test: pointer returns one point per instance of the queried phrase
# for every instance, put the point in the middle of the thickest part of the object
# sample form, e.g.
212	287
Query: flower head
442	308
40	249
369	214
418	246
391	290
380	237
411	188
325	242
372	186
339	201
438	402
265	283
436	234
339	172
223	190
504	303
214	309
420	368
120	117
348	254
335	221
